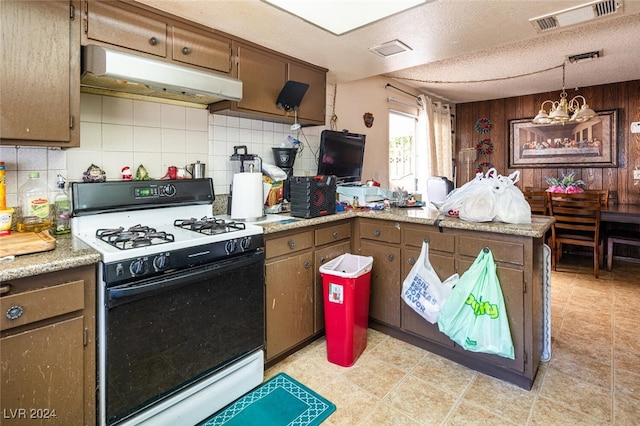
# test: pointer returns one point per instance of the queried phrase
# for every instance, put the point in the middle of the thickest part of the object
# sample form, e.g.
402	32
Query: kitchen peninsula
394	238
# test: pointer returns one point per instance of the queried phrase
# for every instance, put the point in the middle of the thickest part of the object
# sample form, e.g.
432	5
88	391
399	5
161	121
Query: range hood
111	72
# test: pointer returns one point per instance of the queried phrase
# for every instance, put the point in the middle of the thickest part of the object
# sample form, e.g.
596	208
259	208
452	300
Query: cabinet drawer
437	241
503	251
206	51
40	304
332	234
123	25
380	231
288	244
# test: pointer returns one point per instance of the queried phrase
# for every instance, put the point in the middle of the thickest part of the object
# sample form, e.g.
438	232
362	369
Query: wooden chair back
577	223
604	194
538	200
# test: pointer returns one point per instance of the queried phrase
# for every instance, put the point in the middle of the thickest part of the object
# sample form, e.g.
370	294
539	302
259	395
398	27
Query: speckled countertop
71	252
424	216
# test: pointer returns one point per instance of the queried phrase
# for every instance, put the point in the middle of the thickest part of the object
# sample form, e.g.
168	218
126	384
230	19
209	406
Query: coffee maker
284	158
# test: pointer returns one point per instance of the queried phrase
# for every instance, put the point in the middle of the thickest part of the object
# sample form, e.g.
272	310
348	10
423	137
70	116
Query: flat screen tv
341	154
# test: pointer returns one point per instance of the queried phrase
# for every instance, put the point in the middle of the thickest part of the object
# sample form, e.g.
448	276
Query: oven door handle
182	277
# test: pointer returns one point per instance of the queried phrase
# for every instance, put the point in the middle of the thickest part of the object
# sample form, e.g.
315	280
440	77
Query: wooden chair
538	201
629	238
604	195
577	223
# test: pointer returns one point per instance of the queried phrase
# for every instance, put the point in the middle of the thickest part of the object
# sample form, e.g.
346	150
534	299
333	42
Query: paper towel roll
247	202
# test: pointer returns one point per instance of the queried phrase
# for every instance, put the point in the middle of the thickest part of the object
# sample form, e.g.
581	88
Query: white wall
119	132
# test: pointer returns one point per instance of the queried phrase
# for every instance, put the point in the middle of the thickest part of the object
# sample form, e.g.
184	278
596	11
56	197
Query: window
402	163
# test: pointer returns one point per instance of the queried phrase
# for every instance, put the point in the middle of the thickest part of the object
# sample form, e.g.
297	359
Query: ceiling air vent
390	48
576	15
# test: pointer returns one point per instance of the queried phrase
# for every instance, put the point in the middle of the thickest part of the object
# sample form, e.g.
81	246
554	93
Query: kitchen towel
279	401
247	202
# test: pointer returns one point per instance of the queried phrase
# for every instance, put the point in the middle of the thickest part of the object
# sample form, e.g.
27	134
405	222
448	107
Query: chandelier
559	110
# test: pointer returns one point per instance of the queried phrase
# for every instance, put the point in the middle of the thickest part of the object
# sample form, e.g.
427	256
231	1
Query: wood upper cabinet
40	73
47	336
263	74
200	48
123	25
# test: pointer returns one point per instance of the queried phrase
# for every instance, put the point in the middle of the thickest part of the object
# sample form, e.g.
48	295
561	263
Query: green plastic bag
474	315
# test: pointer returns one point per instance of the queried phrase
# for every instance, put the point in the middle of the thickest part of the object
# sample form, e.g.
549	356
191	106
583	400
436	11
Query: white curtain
434	144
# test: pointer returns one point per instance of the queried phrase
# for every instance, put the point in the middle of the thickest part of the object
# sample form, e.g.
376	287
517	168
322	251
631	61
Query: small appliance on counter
438	187
313	196
284	158
247	190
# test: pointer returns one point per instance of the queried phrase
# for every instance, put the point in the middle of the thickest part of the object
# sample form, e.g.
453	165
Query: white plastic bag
422	289
456	198
510	205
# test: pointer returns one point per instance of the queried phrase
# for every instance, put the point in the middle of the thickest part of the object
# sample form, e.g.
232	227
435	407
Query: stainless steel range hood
114	73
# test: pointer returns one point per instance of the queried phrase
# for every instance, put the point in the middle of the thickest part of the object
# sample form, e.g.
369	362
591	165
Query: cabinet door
42	375
512	285
39	73
411	321
289	298
204	50
313	103
125	26
321	257
263	76
384	303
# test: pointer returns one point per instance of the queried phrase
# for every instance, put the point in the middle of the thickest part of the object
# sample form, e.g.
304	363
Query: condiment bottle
3	187
62	209
34	201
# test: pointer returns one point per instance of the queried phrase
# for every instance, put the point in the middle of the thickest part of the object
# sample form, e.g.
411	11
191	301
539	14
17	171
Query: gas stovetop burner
134	237
209	225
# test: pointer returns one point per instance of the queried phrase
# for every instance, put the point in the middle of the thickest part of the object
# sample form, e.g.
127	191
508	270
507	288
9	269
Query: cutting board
26	242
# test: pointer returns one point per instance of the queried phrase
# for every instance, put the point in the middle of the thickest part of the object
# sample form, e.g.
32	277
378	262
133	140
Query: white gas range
180	300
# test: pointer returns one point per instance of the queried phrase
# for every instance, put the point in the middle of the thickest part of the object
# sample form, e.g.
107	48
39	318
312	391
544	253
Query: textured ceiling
451	40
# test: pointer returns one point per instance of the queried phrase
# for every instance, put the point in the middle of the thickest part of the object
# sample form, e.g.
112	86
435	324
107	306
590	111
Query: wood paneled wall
625	97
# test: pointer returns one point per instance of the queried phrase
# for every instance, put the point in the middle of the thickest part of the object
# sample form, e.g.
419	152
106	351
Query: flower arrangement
568	184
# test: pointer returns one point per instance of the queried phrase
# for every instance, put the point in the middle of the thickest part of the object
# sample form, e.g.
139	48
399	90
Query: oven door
166	333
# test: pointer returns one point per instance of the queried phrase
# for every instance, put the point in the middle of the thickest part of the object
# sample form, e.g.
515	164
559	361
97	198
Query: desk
621	213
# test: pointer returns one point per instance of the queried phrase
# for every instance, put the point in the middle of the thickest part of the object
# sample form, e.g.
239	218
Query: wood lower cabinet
330	242
441	257
40	73
380	239
48	349
289	292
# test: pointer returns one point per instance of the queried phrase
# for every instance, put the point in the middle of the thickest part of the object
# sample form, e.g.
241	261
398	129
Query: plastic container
62	209
3	187
345	288
34	201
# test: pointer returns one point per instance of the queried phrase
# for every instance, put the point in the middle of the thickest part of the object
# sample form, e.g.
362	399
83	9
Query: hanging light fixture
559	110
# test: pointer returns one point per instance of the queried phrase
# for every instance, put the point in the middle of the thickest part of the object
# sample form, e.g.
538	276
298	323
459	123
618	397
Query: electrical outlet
636	174
635	127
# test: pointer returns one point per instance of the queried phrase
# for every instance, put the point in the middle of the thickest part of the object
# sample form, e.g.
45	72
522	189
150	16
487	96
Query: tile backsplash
119	132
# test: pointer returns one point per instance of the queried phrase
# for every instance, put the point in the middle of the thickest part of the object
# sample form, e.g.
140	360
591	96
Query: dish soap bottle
34	201
62	209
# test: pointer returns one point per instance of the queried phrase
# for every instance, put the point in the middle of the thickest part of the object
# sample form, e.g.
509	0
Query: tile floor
593	377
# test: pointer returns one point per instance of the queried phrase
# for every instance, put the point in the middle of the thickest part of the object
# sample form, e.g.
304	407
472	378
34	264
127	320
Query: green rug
279	401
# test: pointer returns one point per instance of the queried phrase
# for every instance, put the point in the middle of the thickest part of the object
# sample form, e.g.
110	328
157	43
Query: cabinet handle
15	312
377	233
390	257
335	234
186	50
153	41
307	264
5	289
412	261
292	244
323	259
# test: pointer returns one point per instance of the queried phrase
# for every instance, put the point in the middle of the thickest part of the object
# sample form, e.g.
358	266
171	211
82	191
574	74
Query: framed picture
593	143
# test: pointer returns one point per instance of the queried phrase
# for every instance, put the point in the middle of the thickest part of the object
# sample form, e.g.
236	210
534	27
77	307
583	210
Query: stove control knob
160	262
138	267
230	246
245	243
169	190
